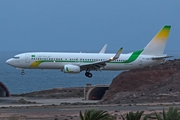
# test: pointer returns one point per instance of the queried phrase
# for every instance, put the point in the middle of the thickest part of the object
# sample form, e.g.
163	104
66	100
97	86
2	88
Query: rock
56	93
145	84
23	101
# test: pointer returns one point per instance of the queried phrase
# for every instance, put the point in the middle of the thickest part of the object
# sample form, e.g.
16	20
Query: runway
47	109
12	101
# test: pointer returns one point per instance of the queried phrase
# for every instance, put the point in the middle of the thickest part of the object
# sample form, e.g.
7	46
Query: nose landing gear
88	74
22	73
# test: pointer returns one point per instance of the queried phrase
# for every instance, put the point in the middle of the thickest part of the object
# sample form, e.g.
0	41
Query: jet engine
71	69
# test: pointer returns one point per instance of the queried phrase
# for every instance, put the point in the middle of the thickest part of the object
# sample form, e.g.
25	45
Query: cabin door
27	58
140	61
80	60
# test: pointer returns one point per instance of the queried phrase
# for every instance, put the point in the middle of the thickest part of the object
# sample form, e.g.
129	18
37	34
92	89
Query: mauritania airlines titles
153	53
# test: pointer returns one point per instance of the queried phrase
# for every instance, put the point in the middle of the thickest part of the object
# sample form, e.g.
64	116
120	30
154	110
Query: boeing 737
76	62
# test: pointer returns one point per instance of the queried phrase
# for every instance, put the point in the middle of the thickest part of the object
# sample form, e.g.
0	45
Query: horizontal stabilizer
161	57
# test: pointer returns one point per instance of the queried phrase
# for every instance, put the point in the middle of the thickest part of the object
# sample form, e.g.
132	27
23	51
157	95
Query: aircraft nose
9	62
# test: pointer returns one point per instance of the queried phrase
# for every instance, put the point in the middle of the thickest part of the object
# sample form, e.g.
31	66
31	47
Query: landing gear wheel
22	73
88	74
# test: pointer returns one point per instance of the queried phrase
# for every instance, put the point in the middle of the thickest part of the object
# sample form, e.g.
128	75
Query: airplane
77	62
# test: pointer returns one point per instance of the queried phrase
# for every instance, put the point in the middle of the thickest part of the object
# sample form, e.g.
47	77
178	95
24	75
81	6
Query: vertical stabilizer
157	45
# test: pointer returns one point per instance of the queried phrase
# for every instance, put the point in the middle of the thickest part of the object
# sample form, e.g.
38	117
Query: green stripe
132	58
67	69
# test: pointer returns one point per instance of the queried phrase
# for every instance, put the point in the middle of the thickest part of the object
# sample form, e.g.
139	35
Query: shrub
93	114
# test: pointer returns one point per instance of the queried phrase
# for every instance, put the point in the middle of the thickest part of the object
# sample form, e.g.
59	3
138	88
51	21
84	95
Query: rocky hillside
55	93
150	84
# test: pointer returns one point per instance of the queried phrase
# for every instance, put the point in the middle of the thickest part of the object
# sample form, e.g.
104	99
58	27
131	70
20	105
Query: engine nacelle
71	69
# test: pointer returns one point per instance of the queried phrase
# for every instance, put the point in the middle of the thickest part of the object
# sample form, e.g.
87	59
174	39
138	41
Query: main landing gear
22	73
88	74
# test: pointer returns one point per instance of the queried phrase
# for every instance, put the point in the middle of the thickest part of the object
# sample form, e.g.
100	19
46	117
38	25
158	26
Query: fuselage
57	60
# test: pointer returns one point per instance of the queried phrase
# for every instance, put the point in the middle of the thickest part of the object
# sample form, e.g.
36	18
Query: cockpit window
16	57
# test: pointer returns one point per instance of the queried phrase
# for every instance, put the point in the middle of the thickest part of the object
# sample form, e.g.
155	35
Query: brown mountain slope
150	84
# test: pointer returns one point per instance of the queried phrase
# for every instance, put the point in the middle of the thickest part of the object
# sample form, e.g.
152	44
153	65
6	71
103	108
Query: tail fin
157	45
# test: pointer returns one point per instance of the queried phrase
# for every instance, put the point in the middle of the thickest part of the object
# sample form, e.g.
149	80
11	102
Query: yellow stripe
120	50
35	64
163	33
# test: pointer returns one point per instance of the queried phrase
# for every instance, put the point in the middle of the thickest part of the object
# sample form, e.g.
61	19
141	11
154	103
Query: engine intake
71	69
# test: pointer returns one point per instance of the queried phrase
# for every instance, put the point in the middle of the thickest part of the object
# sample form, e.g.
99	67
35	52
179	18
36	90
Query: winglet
103	49
117	54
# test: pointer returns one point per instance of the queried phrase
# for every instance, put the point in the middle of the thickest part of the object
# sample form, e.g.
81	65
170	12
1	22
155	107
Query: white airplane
77	62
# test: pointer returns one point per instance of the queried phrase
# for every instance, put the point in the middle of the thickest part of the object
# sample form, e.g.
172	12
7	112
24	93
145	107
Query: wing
103	49
99	64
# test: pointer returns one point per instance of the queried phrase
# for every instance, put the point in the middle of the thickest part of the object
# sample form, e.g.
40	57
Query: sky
84	25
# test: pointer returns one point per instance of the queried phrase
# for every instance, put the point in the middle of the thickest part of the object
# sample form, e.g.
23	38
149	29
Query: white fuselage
57	60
